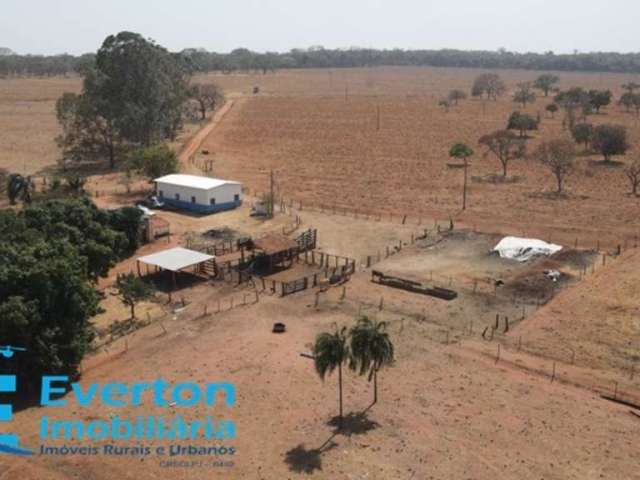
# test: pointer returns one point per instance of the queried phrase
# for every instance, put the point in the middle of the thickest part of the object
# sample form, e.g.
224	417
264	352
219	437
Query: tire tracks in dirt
194	143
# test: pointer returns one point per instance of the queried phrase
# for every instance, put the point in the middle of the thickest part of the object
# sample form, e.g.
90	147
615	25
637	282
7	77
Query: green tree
628	100
86	134
207	95
330	353
462	151
546	83
505	145
19	187
489	84
583	133
154	162
133	290
371	349
50	254
524	95
600	98
132	94
552	108
574	101
610	140
557	156
456	95
128	221
522	122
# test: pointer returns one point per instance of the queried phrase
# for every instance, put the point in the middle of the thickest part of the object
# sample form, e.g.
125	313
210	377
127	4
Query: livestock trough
412	286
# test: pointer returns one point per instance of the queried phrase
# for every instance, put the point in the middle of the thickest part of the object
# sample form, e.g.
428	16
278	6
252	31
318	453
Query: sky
562	26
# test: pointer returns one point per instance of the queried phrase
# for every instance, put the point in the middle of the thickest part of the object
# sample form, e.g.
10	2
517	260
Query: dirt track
188	152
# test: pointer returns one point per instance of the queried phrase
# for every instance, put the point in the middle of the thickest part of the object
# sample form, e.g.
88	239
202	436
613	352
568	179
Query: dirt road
192	146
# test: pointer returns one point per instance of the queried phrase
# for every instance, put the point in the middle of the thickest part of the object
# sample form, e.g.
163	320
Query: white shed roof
194	181
175	259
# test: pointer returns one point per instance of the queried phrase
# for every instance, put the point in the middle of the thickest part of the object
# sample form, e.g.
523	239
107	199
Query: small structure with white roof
177	260
199	194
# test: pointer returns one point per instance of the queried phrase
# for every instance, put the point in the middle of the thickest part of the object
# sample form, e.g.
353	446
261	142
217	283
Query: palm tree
330	352
461	150
371	350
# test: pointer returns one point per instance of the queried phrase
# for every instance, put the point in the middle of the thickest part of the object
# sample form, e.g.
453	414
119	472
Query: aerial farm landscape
404	271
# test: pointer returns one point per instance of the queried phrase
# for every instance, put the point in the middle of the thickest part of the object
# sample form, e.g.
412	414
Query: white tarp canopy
524	249
175	259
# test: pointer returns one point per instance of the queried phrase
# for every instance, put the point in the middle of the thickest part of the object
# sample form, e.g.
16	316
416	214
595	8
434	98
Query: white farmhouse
199	194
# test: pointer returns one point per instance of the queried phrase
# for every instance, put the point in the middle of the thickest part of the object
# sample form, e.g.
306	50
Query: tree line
242	59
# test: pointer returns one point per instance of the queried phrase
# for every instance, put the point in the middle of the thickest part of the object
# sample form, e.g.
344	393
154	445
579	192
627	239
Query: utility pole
271	196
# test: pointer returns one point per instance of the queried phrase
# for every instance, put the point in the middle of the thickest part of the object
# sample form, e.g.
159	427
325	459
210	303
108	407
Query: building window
236	197
193	199
212	201
177	196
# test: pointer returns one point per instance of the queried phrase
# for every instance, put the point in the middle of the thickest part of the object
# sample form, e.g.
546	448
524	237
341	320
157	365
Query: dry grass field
327	150
455	404
28	124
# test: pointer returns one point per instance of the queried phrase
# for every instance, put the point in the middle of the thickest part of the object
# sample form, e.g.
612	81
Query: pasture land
327	150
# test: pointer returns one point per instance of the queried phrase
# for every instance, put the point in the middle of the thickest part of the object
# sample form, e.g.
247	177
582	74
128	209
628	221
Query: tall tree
133	290
371	349
132	95
523	123
557	156
610	140
583	133
85	133
524	95
552	108
462	151
331	351
600	98
574	101
505	145
456	95
207	95
546	83
489	84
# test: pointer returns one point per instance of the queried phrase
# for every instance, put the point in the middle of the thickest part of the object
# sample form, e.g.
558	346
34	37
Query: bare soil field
456	404
444	412
327	150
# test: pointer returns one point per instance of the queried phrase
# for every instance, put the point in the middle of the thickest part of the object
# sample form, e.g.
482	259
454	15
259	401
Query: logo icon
9	442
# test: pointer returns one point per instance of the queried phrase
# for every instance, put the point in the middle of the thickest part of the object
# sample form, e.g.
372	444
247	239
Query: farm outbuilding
177	260
199	194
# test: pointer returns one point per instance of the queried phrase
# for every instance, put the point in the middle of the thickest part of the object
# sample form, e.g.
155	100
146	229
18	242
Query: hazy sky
78	26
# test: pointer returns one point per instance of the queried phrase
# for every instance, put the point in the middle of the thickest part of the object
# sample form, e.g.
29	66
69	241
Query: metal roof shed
178	259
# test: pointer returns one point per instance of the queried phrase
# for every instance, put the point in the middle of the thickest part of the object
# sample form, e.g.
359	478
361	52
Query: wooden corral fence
334	270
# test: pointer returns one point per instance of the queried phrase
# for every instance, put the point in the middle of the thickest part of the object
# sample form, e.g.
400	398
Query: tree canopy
489	84
546	83
241	59
610	140
50	254
132	95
